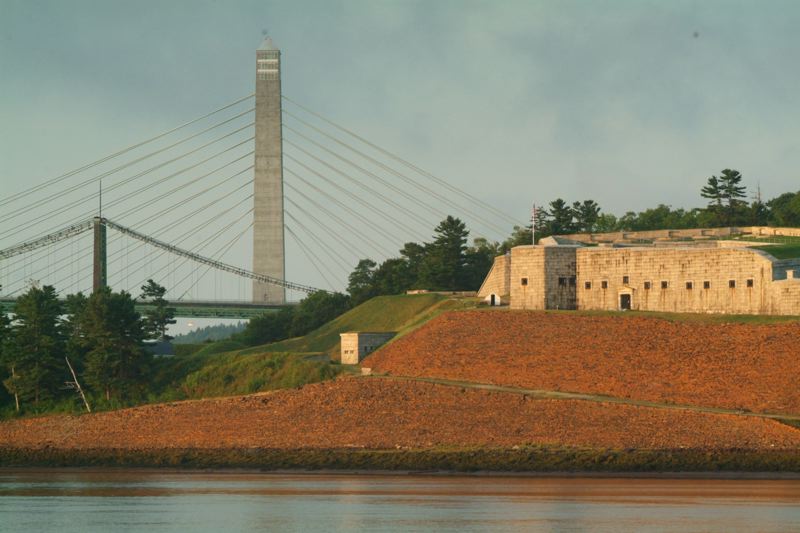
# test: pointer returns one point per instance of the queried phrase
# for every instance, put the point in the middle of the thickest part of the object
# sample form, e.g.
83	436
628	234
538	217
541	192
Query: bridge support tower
100	269
268	232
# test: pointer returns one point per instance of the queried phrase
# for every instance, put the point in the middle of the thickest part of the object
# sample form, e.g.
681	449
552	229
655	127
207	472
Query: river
125	501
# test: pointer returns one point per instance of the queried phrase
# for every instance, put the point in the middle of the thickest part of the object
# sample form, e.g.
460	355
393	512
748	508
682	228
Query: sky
629	103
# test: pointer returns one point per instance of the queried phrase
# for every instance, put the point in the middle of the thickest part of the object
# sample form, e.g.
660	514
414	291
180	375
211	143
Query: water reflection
134	500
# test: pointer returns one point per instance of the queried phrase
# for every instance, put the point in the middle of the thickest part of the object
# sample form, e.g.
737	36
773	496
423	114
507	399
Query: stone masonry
673	279
357	345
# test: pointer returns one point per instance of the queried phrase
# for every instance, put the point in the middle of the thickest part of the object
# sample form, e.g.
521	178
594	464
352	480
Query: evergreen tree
360	283
111	332
713	191
444	264
725	194
733	193
316	309
586	214
784	210
161	316
32	354
560	218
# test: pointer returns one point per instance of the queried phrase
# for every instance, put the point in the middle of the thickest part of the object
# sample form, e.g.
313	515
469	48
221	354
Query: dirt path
560	395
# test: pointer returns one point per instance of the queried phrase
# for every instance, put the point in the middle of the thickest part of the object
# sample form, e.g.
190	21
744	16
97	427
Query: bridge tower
268	232
99	267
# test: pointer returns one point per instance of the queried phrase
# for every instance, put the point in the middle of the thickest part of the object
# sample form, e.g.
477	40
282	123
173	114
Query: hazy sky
629	103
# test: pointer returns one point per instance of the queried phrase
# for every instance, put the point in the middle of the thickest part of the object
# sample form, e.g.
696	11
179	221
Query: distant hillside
383	313
209	333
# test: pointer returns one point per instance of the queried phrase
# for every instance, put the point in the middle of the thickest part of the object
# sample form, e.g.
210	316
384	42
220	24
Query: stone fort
705	276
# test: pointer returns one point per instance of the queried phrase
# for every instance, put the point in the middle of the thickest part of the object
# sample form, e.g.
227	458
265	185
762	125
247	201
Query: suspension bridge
189	206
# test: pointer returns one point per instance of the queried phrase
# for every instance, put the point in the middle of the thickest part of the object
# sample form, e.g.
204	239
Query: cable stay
404	162
216	264
55	180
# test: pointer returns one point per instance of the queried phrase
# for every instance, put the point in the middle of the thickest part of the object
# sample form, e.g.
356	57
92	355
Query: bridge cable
325	227
311	257
385	234
376	246
136	176
125	150
409	213
336	258
416	200
60	194
444	183
355	197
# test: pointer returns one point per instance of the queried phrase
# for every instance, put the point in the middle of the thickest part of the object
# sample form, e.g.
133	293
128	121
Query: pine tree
111	332
33	352
444	265
160	316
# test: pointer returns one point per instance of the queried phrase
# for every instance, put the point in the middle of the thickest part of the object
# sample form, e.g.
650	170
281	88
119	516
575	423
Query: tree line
101	335
727	206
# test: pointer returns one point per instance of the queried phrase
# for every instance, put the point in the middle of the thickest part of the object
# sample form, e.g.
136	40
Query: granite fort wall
499	278
355	346
675	279
722	280
543	277
692	233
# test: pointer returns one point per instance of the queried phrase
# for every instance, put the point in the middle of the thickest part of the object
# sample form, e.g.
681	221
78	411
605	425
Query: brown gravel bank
735	366
375	413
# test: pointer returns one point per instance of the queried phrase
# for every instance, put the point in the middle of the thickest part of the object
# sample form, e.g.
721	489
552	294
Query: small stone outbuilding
356	345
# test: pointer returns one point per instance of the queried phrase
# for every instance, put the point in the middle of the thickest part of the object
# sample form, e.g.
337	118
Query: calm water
87	502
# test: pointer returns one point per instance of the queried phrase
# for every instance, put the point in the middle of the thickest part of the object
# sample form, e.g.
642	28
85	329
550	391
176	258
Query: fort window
603	284
731	283
689	285
706	284
587	285
562	282
524	281
647	285
665	284
572	281
626	280
750	283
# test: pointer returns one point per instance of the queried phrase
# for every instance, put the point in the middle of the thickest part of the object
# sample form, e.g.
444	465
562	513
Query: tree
316	309
5	334
444	263
726	193
519	237
160	316
360	283
32	353
586	214
393	276
784	210
268	327
560	215
713	191
111	332
478	261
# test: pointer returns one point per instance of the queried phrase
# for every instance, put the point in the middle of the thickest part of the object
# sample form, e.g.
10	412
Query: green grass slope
229	374
384	313
782	251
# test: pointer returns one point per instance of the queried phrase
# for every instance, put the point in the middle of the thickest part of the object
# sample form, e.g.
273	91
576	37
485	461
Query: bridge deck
194	309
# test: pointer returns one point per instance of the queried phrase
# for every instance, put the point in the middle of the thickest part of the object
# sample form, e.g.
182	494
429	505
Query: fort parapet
676	278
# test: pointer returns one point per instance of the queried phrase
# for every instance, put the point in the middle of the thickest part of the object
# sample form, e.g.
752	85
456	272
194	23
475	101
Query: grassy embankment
522	459
402	313
223	368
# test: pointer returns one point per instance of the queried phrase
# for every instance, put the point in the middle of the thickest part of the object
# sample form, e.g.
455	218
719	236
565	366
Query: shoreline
222	471
538	461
